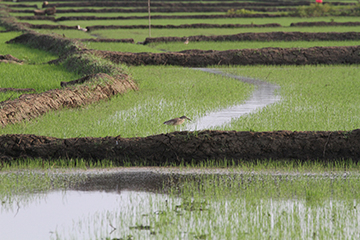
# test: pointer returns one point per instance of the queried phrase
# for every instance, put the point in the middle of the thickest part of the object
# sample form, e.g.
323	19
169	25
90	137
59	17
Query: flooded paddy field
182	203
45	198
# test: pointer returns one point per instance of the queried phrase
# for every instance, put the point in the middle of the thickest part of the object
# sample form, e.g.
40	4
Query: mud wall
265	36
316	24
264	56
196	25
74	18
188	147
29	106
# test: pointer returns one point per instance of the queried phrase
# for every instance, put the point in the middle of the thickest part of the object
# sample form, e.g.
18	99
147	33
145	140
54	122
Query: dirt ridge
189	147
263	56
29	106
265	36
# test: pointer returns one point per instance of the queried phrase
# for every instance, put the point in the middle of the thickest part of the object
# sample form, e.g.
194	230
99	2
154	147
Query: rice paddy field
267	199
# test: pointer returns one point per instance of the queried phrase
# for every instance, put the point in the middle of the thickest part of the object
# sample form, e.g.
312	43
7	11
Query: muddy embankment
188	147
75	18
265	37
153	10
139	4
197	25
322	23
72	94
29	106
264	56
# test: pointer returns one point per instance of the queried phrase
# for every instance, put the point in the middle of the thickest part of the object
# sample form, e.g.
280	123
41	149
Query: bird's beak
188	119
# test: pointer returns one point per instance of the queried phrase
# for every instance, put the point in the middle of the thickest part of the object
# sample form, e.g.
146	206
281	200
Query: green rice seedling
22	52
38	77
165	93
314	98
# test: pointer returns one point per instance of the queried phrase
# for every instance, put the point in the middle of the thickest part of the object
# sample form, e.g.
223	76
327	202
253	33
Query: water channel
265	94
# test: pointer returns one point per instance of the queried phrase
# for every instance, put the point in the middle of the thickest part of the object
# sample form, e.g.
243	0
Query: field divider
29	106
263	37
188	147
263	56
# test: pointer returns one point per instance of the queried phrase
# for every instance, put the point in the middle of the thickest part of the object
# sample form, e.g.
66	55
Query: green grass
39	77
313	98
165	92
31	74
120	47
22	52
222	46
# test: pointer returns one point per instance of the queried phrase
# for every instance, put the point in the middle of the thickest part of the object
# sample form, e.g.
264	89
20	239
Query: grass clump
85	64
239	12
315	10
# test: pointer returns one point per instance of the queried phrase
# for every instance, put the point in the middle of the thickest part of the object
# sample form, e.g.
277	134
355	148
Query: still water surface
135	204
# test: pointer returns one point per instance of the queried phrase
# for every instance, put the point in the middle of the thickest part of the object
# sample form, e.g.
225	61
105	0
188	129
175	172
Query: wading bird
177	121
187	41
81	29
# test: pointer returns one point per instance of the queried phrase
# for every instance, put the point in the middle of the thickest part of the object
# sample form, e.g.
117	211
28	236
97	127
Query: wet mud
29	106
265	37
188	147
317	24
74	18
263	56
198	25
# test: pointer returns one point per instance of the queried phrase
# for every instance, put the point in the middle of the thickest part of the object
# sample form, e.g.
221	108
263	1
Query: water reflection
133	203
264	94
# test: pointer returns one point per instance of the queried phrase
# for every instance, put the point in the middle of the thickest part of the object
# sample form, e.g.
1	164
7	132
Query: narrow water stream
264	94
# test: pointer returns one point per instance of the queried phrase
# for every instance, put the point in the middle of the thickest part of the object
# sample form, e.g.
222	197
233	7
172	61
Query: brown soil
10	59
153	10
197	25
29	106
264	56
266	37
315	24
74	18
172	5
189	147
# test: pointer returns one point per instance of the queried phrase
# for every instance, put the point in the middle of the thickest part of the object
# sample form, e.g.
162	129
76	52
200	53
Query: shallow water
264	94
111	203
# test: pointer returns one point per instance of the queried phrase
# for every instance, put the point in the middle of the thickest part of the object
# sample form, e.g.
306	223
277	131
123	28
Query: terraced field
90	86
